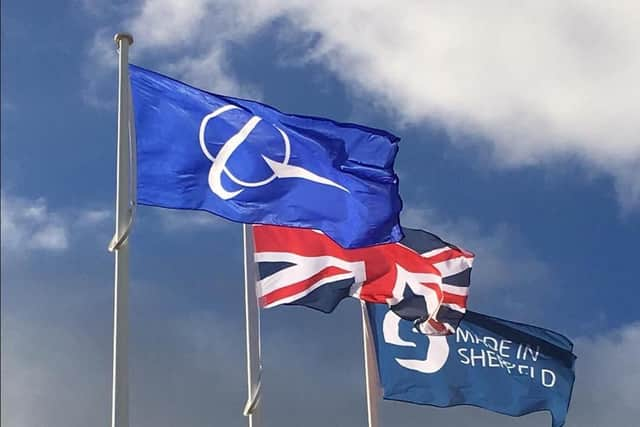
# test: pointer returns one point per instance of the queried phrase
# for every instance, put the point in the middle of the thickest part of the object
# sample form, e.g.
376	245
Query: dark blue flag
250	163
506	367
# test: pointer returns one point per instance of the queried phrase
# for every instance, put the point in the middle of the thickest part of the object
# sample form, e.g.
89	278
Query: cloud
94	216
533	83
608	378
538	82
30	225
100	71
189	47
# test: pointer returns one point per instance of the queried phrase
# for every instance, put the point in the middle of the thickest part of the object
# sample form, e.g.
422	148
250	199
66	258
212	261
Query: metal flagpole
252	325
120	243
372	383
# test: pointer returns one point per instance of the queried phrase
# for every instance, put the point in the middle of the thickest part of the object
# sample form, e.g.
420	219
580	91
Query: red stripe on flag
447	255
460	300
379	259
437	326
298	287
300	241
434	287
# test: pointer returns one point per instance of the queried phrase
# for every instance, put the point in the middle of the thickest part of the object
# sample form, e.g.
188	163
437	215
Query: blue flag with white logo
251	163
506	367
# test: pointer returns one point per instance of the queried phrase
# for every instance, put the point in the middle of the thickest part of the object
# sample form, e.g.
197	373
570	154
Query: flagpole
372	383
120	243
252	326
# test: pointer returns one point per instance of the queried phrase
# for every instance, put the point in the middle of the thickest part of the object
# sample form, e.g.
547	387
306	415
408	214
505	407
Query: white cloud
537	81
193	46
608	378
100	72
210	70
94	216
52	237
30	225
187	21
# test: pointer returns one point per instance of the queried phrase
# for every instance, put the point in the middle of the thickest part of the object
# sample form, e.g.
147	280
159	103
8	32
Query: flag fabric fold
423	278
507	367
248	162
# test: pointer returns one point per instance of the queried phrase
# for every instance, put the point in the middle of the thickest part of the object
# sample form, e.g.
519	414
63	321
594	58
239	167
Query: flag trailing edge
248	162
422	278
506	367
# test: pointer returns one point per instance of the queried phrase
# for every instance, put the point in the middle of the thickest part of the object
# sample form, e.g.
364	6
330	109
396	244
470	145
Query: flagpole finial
121	36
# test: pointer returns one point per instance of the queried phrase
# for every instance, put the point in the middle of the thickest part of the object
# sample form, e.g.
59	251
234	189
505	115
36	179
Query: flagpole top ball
122	36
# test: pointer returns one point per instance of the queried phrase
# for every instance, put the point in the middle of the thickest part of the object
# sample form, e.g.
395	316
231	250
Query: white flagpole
372	382
120	242
252	325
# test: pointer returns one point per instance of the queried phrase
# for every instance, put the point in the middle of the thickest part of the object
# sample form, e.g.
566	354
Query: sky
519	142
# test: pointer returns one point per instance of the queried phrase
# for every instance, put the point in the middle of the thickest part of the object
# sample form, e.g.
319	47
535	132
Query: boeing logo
280	169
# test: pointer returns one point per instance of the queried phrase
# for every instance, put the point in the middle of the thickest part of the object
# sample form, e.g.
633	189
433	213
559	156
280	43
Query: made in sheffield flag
250	163
423	278
503	366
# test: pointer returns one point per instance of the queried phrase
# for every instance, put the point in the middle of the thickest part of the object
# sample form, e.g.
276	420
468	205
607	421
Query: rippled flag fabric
423	278
248	162
503	366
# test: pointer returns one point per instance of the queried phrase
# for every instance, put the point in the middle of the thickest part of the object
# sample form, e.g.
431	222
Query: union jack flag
422	278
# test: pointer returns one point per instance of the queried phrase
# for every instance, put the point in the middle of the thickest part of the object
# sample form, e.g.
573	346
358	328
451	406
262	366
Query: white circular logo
279	169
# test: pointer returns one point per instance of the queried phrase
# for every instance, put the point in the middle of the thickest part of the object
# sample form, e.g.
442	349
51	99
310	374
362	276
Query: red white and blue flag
422	278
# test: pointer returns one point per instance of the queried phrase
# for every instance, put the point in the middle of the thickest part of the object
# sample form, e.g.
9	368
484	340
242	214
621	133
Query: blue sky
519	142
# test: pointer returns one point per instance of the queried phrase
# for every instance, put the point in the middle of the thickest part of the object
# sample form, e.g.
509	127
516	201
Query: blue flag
506	367
250	163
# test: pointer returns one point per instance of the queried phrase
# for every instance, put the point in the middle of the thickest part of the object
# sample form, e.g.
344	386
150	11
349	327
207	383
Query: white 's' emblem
280	169
437	351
